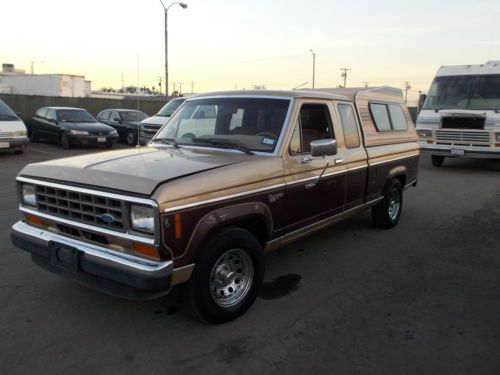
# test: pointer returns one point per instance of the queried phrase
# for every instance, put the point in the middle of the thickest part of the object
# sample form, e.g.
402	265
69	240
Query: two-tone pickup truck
212	193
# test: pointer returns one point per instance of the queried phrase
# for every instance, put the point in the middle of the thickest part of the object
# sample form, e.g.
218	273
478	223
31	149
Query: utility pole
344	74
365	84
407	87
160	80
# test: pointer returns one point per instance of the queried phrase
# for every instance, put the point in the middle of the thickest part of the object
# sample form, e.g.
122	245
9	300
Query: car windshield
246	124
133	116
74	115
6	113
170	107
474	92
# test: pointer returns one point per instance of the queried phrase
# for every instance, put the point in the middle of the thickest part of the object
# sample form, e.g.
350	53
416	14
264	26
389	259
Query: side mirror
421	100
323	147
117	119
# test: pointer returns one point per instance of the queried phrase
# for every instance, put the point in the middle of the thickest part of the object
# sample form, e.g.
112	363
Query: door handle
338	161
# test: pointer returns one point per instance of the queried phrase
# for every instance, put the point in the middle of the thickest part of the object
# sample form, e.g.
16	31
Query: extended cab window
349	125
314	123
388	117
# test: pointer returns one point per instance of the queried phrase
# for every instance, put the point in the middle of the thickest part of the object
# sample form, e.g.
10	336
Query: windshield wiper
215	142
167	141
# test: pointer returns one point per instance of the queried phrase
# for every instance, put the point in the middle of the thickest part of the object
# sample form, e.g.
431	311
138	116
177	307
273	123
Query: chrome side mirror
323	147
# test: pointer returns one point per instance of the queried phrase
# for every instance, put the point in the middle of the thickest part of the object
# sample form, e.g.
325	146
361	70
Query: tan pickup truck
232	175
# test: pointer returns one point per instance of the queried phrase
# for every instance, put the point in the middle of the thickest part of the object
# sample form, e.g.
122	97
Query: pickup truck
210	195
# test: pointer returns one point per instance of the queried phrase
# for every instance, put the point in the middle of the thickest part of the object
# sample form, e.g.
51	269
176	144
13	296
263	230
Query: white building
15	82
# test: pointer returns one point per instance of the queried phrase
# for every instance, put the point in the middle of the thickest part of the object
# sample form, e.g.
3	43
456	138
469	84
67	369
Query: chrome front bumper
455	150
106	270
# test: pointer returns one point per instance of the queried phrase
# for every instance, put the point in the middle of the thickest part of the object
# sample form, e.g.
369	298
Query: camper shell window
388	117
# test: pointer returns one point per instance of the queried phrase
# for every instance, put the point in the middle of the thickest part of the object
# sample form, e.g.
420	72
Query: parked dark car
125	121
70	126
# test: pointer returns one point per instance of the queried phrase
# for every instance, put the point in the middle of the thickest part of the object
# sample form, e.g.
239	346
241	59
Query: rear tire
437	160
64	141
227	276
387	213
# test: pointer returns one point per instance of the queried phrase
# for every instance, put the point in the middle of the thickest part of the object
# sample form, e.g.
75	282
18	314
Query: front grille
457	122
463	137
82	207
149	130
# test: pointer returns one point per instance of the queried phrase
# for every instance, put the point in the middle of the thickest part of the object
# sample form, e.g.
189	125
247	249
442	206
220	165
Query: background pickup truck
249	173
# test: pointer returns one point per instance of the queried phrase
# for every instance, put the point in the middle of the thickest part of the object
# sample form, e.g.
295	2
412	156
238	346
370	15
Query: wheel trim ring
228	292
394	204
130	137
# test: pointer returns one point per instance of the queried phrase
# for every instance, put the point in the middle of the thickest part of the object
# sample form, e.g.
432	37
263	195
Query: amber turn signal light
149	251
33	220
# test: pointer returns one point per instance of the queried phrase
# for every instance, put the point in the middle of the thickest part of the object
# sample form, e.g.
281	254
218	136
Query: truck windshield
250	124
474	92
170	107
6	113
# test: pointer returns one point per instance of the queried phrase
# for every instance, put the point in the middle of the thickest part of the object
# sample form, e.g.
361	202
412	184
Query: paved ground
421	298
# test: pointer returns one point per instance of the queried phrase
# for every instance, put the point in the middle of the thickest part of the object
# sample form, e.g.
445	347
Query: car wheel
437	160
131	138
33	135
387	213
64	141
226	277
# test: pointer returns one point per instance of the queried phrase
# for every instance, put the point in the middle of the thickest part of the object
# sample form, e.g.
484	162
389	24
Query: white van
13	134
461	114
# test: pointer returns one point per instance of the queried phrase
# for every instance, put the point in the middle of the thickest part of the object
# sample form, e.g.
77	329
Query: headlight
424	133
142	218
21	133
28	195
78	132
113	132
497	137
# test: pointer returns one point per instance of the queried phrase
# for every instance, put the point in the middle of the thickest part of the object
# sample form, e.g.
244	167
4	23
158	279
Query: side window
314	123
397	117
296	144
114	115
388	117
380	117
104	115
51	115
349	125
42	112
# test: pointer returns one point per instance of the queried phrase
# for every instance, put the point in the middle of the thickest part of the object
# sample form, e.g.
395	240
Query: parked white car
13	134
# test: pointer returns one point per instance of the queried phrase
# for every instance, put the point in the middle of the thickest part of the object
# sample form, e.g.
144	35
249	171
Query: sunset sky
222	44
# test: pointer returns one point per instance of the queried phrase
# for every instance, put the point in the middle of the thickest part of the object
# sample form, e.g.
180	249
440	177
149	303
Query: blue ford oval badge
107	218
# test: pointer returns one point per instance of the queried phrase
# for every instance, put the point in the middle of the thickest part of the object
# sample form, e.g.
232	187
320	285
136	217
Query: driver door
315	186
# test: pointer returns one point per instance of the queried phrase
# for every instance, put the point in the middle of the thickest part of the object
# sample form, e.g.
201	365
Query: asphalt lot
423	297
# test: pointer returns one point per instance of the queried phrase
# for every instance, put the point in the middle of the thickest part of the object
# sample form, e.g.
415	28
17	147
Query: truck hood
11	126
138	170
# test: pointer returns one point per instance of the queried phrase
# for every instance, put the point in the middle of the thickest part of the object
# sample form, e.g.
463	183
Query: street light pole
184	6
314	65
33	65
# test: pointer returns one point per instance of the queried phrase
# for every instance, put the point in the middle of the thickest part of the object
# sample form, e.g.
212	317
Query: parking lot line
45	152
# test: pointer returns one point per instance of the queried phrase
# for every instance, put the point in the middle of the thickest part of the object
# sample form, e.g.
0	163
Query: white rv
461	114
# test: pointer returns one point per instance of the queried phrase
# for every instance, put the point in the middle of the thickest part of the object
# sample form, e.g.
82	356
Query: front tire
437	160
387	213
226	277
64	141
131	138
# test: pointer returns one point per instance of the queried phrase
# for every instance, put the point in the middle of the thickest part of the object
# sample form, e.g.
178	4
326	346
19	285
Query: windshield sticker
268	141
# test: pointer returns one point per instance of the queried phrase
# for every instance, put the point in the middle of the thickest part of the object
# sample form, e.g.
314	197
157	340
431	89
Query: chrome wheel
231	277
394	204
